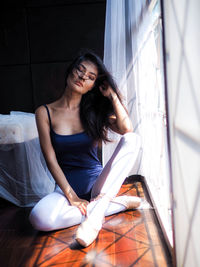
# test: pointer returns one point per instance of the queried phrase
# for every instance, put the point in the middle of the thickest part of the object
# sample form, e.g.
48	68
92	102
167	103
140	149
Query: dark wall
38	39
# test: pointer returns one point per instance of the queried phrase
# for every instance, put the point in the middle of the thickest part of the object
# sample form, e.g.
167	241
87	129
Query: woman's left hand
81	204
119	121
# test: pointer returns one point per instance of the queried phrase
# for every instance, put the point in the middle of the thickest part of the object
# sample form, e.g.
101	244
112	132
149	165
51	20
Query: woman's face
83	77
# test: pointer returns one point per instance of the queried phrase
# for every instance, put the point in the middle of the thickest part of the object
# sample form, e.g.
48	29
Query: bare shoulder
41	112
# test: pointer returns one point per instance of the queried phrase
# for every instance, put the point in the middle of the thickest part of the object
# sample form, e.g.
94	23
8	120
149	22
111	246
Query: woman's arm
120	121
42	122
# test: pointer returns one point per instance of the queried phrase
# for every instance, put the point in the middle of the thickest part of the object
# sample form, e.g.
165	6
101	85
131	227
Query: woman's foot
87	233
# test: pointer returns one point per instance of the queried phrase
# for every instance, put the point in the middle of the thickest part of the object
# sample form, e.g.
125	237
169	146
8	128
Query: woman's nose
81	77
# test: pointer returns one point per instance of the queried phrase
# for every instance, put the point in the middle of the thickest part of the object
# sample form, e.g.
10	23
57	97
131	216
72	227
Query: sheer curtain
24	176
133	54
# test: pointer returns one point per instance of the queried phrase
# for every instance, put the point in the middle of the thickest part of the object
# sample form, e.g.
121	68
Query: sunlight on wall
182	46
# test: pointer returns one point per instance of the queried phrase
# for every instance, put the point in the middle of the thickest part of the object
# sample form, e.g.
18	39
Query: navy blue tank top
77	156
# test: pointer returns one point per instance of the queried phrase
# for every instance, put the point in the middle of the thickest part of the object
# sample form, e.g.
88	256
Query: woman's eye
80	69
91	78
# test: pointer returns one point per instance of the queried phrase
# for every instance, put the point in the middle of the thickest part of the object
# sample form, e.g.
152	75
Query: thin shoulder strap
48	115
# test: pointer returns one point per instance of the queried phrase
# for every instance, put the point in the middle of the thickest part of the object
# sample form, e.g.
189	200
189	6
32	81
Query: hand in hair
107	91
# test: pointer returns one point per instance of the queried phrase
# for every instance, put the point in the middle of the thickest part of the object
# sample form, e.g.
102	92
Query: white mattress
17	127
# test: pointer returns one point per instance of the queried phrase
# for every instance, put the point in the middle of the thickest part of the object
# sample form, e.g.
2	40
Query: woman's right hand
81	204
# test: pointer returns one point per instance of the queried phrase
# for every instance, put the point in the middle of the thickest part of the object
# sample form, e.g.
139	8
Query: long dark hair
95	109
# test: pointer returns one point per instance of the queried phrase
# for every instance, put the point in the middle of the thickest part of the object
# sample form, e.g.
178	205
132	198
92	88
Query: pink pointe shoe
129	202
86	233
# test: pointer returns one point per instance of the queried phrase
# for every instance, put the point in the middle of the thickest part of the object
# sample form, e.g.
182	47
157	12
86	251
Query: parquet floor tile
130	238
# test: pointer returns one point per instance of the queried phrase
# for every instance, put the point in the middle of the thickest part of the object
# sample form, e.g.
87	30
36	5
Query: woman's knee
39	221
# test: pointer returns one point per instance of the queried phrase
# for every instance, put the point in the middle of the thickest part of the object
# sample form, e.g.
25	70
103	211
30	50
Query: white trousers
54	210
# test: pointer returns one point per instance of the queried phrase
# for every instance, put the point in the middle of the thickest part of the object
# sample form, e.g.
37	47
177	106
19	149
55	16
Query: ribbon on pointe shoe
88	231
92	203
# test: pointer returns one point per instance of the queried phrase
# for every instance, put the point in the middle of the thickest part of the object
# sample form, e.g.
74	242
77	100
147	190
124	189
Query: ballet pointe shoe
129	202
86	233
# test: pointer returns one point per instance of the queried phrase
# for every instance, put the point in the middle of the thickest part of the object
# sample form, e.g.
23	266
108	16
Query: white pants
54	210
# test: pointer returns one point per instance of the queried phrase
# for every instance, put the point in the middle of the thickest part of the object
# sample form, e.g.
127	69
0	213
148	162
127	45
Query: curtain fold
133	54
24	176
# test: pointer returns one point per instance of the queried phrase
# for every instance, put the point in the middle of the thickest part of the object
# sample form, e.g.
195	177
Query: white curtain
24	177
133	54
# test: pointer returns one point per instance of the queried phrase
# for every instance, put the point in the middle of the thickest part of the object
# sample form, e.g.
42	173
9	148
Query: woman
69	131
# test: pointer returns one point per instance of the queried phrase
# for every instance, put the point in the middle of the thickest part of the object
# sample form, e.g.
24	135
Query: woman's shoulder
41	115
40	110
45	111
43	108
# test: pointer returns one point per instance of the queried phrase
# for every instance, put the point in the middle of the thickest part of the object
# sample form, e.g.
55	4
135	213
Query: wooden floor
130	238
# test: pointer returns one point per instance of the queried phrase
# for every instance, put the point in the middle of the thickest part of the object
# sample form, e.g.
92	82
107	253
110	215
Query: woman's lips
79	84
